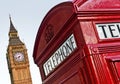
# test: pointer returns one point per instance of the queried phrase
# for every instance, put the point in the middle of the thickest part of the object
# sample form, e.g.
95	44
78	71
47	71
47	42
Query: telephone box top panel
51	25
97	5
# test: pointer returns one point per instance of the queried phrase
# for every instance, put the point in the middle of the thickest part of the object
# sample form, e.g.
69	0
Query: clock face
19	57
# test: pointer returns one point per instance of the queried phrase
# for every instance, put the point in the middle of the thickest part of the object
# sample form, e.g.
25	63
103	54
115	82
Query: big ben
17	58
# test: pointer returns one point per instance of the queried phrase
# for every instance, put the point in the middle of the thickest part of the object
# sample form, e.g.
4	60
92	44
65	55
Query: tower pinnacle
12	28
13	35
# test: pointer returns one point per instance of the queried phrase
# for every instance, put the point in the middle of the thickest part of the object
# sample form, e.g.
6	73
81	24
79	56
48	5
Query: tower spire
13	35
12	28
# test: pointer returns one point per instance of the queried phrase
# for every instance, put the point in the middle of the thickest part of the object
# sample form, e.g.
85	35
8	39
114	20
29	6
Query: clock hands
19	57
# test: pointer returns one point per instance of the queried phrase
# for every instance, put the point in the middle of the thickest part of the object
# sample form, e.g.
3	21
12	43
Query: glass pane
117	65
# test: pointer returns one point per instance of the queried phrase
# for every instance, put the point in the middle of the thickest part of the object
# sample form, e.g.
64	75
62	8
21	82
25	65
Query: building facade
17	59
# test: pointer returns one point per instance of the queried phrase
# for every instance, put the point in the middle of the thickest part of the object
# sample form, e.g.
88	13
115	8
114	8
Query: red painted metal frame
95	60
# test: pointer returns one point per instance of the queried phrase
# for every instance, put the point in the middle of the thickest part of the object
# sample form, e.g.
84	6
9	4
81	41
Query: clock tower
17	59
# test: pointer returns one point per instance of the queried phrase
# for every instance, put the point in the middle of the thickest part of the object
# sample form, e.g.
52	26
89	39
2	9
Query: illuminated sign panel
60	55
108	31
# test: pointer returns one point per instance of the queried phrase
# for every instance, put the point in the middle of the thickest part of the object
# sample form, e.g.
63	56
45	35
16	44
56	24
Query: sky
26	16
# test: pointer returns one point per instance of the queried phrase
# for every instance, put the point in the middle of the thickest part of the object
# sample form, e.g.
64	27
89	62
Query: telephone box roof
97	5
55	18
58	16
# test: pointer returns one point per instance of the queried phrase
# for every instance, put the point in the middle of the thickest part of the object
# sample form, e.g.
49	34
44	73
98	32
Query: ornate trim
49	33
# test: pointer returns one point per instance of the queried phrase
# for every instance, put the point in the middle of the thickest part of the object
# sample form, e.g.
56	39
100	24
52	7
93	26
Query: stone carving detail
49	33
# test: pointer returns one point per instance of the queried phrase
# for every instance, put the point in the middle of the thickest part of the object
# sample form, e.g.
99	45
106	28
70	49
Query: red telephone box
79	43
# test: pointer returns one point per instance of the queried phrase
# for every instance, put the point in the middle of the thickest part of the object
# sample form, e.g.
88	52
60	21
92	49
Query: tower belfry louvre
17	58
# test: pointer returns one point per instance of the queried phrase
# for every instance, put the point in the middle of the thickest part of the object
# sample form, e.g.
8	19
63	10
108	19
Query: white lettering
60	55
108	31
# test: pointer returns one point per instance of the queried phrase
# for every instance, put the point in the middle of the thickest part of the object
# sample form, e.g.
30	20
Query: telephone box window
117	66
114	62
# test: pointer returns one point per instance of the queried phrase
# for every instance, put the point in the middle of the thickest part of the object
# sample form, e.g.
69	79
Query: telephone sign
108	30
60	54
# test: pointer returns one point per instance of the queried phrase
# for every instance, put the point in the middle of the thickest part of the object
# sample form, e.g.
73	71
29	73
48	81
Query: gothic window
24	73
19	74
